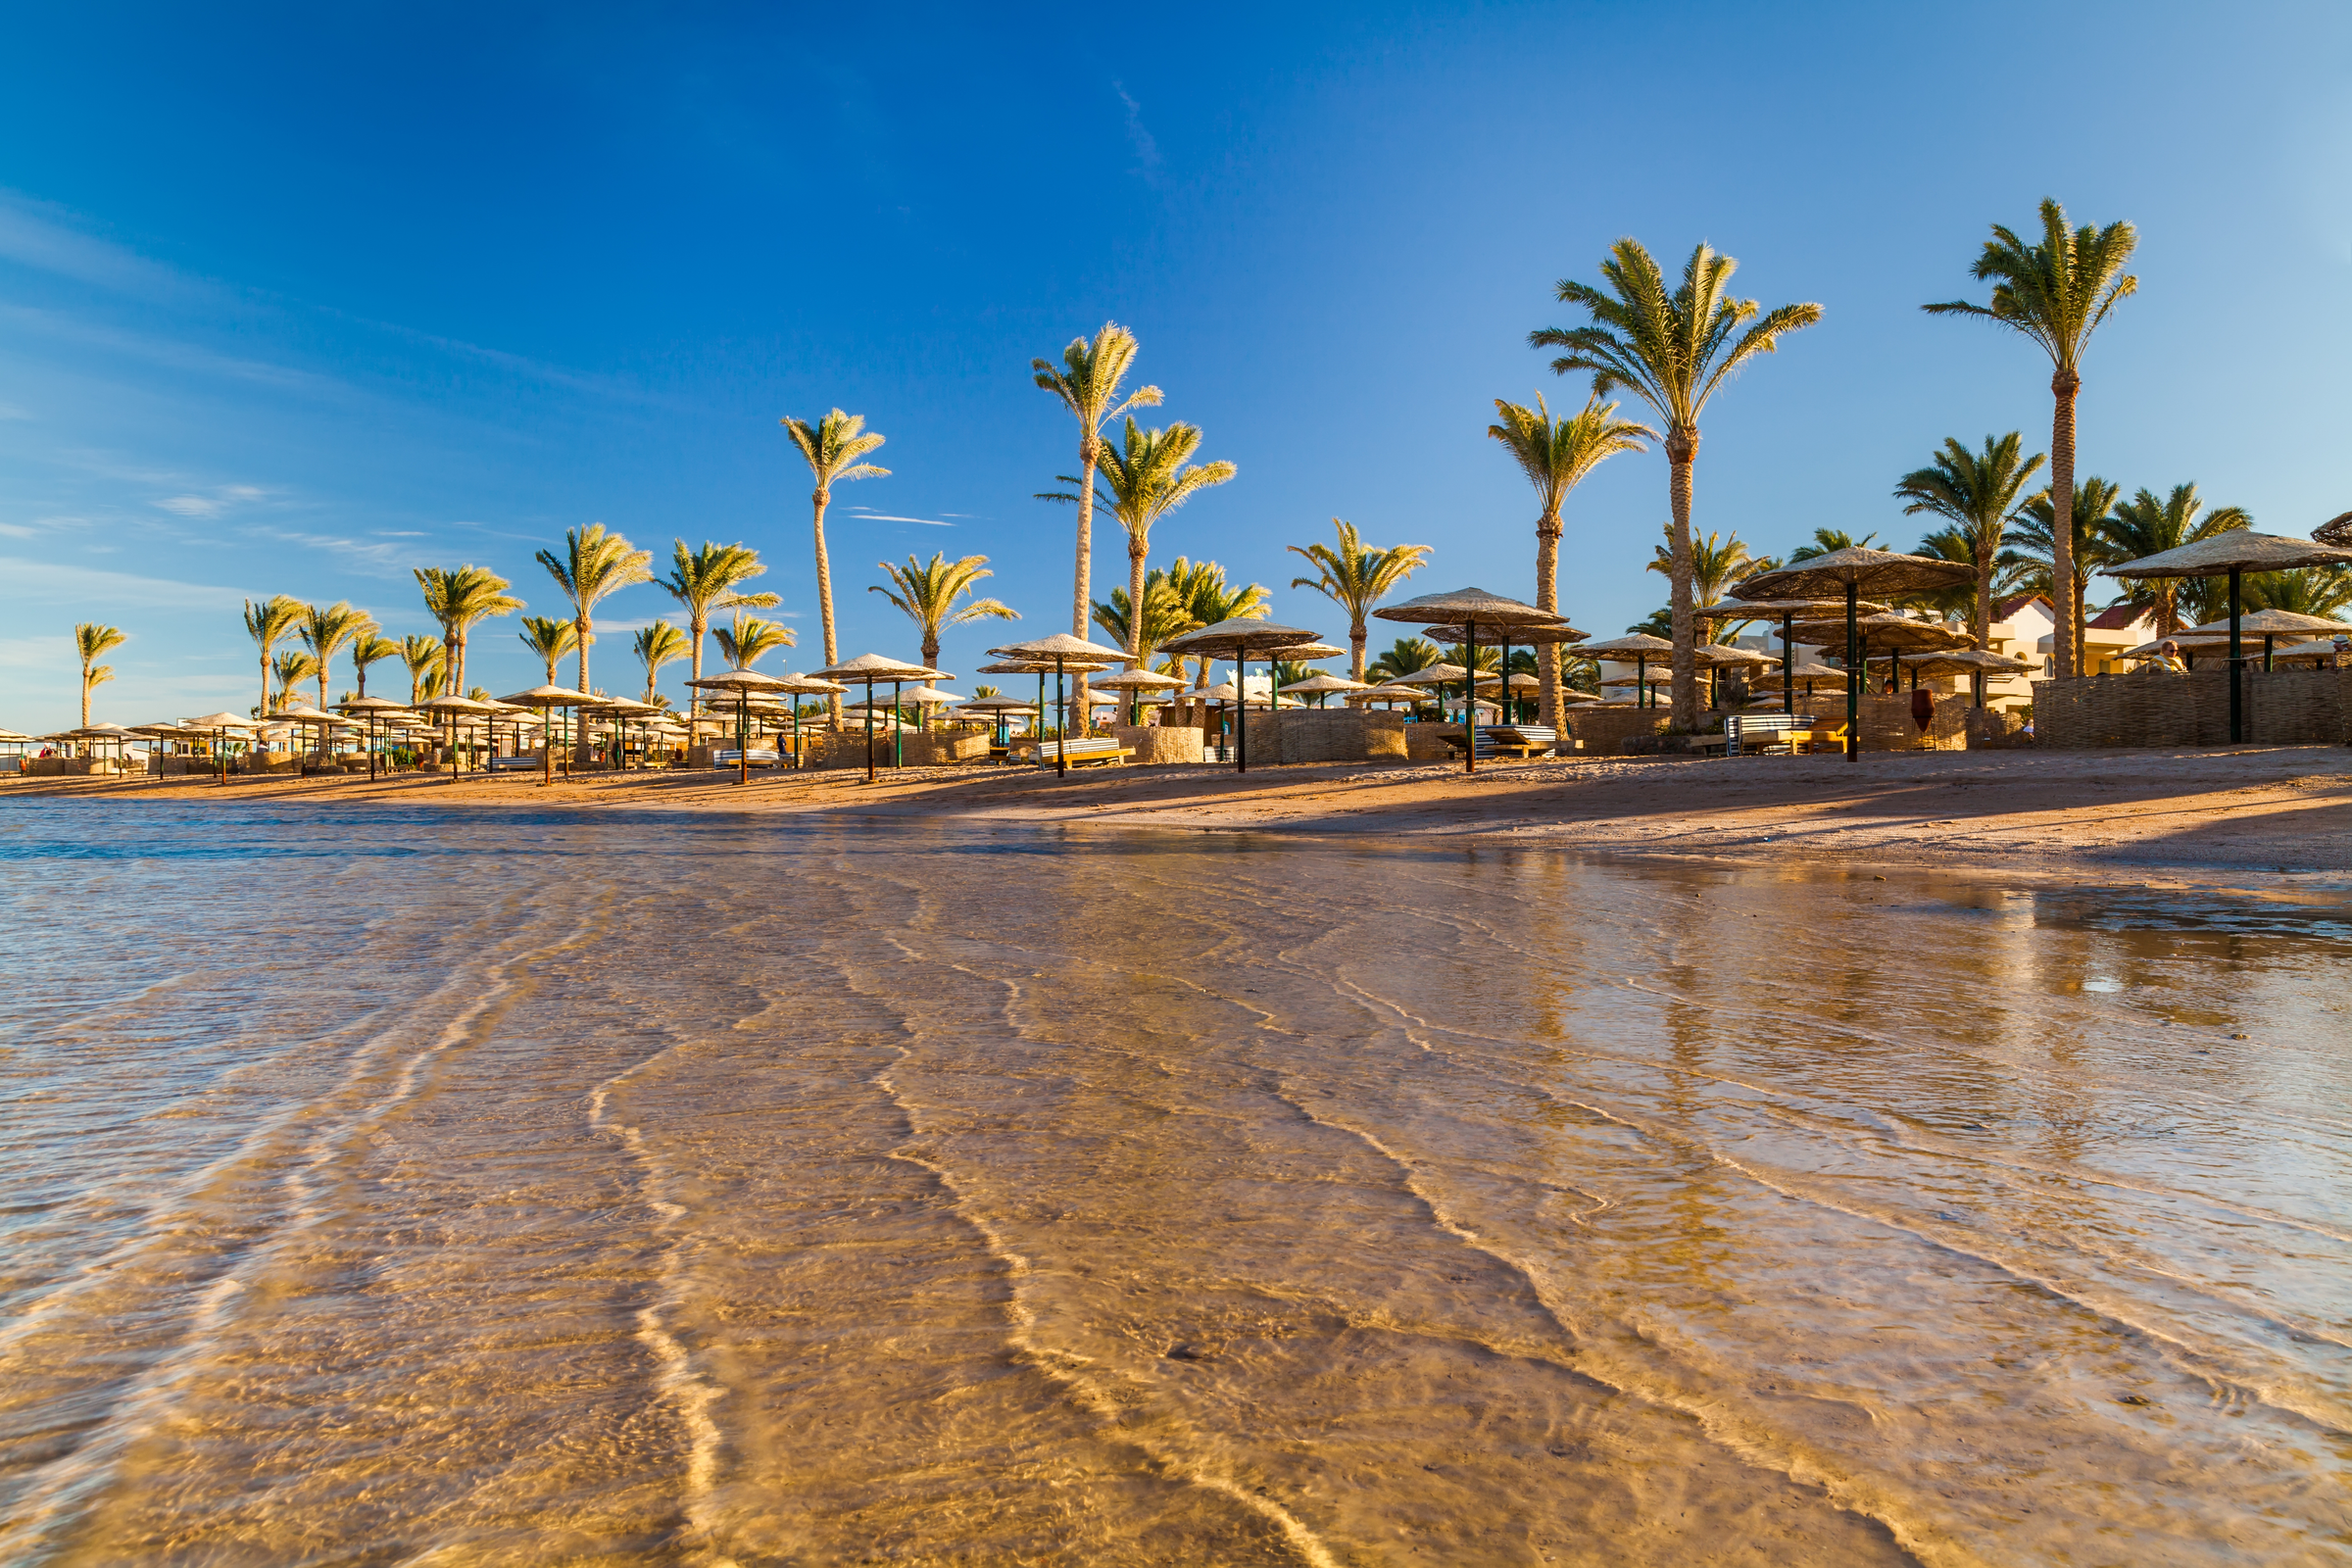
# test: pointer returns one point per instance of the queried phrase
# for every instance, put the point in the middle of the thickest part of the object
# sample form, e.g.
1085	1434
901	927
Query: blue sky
294	299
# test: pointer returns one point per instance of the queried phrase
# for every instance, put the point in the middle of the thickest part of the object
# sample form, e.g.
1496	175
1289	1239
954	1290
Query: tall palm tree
1165	614
422	656
833	447
2145	526
457	600
2056	292
1088	384
1144	478
926	593
1828	541
1978	493
269	624
1958	600
95	642
1407	656
1357	580
1716	563
657	645
550	639
744	641
1555	455
1209	599
1673	350
2059	562
594	564
2303	591
325	631
368	648
703	580
292	666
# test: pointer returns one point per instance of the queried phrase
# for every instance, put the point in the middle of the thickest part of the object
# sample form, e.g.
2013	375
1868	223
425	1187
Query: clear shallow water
500	1187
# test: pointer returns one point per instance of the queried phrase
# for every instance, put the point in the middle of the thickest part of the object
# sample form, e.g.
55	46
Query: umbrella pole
1470	696
898	727
1241	709
743	744
1854	679
2266	640
2237	661
1641	681
1787	659
1061	702
869	732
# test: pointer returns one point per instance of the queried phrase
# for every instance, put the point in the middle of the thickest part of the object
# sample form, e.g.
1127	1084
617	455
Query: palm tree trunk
824	600
452	664
265	684
1547	600
1137	653
1981	622
1682	454
2064	385
1082	595
1355	646
86	694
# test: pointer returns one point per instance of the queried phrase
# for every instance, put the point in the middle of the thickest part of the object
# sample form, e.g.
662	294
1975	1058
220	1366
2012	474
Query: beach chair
733	758
1512	740
1084	753
1754	734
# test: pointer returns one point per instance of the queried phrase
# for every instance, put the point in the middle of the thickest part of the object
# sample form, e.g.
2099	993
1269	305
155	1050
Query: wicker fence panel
2281	707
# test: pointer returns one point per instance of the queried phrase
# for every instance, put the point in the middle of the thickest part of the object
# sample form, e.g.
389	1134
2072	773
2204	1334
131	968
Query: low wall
2283	707
944	748
1610	731
1156	746
1326	735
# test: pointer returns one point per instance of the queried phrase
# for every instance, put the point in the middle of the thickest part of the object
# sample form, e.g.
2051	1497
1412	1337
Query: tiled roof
2114	617
2007	608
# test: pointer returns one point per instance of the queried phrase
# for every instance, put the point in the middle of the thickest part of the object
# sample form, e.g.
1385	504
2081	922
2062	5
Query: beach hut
1850	574
2233	555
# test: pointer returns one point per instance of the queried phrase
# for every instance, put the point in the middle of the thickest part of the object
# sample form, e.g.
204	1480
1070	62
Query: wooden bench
1083	753
734	758
1517	739
1758	733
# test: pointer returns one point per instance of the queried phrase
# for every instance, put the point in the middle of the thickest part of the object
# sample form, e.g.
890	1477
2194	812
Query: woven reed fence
2283	707
1325	735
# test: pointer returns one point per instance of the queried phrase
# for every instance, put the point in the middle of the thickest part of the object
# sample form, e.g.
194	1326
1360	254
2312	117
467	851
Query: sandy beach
2282	810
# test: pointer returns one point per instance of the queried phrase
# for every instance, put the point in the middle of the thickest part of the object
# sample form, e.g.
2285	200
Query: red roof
2114	617
2007	608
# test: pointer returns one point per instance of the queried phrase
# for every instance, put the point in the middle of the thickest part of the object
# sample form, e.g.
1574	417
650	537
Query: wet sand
2276	809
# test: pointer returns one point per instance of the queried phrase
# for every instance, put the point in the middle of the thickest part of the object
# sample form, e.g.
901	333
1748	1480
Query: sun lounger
1084	753
760	758
1513	740
1752	734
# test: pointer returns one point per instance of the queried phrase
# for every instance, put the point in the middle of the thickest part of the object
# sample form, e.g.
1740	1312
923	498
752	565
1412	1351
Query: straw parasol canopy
1389	692
1308	652
2337	531
1518	636
1716	656
1469	608
1137	680
2240	549
2317	648
736	680
1974	662
1905	633
375	710
1320	687
2182	640
1883	573
1238	639
1638	648
867	668
2265	623
1777	609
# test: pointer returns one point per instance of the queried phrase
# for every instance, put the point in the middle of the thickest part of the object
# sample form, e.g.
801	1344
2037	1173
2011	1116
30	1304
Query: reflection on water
467	1188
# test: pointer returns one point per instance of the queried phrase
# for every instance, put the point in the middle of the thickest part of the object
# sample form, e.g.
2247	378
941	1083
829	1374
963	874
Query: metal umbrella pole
2237	661
1061	705
1787	663
1470	695
1853	677
898	728
870	728
1240	705
743	744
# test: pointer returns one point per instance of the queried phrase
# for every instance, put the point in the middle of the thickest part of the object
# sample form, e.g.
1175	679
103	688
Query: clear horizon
297	302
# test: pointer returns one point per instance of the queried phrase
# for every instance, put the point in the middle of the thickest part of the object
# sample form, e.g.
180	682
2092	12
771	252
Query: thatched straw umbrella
1974	662
452	708
1849	574
2337	531
2234	554
1239	638
2320	651
1788	612
1890	634
2268	624
310	719
1135	682
742	684
371	710
1066	652
1320	687
547	699
999	710
1557	634
219	724
871	670
1471	608
1638	650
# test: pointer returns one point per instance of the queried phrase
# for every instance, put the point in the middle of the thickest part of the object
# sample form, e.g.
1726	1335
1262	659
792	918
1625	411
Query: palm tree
1407	656
457	600
269	624
833	447
1555	455
293	667
926	593
1715	565
325	631
1209	599
1144	477
594	564
1828	541
550	639
744	642
1165	614
1088	384
1674	350
1977	492
705	580
2056	292
2304	591
2145	526
95	642
367	648
1357	580
422	656
657	645
1958	600
2051	558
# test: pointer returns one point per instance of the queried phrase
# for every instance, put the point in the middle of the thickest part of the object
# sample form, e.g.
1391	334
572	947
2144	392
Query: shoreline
2273	811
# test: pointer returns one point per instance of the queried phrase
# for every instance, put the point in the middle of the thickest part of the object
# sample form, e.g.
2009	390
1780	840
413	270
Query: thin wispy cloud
890	517
58	584
1147	149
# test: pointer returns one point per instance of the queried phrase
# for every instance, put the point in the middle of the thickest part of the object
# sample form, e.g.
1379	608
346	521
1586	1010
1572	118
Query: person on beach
2167	657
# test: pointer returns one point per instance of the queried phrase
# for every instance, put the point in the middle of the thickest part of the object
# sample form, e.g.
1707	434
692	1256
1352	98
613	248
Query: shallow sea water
500	1187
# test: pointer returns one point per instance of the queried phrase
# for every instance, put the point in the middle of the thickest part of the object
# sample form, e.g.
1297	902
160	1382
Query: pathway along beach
392	1180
